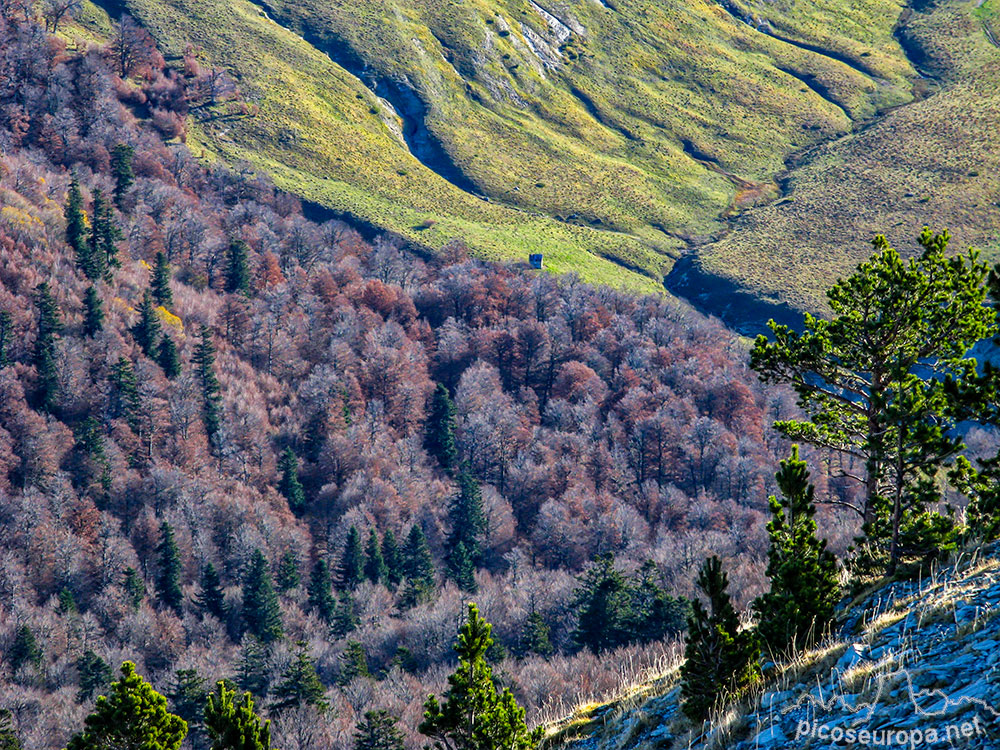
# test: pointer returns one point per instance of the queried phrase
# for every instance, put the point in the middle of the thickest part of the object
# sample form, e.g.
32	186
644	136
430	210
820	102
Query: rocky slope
913	662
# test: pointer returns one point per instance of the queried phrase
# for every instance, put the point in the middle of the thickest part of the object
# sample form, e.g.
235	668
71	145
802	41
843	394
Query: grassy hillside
600	132
932	162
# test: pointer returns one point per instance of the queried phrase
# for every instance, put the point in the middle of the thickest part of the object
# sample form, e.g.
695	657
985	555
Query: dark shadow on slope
738	308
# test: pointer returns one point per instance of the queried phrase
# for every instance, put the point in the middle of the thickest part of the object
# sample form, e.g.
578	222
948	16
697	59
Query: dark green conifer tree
468	523
76	229
603	603
300	685
211	408
290	486
8	736
210	599
439	439
146	331
378	731
49	327
135	589
67	602
352	562
288	576
720	660
253	667
94	469
188	696
9	739
24	650
94	675
473	715
321	591
238	268
353	663
121	171
233	725
160	282
345	619
798	609
536	636
93	312
392	555
168	578
126	401
6	337
261	613
167	357
132	716
104	236
375	567
418	569
652	613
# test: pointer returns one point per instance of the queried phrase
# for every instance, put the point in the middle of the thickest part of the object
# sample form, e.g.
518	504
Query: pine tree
288	576
378	731
168	579
290	486
67	602
439	439
160	283
8	737
24	650
536	637
126	402
167	357
392	555
235	726
473	716
798	609
6	336
76	229
300	685
89	448
376	570
321	592
352	562
210	599
603	604
652	613
211	409
49	327
135	589
261	613
121	170
132	717
93	315
468	524
418	568
188	696
95	675
353	663
253	669
872	383
720	661
104	236
345	619
238	268
146	331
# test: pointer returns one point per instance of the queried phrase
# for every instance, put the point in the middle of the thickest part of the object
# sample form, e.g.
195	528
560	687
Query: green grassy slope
602	132
932	162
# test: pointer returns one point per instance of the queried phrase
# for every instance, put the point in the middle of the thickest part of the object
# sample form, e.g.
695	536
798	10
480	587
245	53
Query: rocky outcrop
914	664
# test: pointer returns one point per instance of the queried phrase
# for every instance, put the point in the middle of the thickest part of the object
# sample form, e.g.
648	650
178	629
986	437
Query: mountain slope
597	130
911	657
